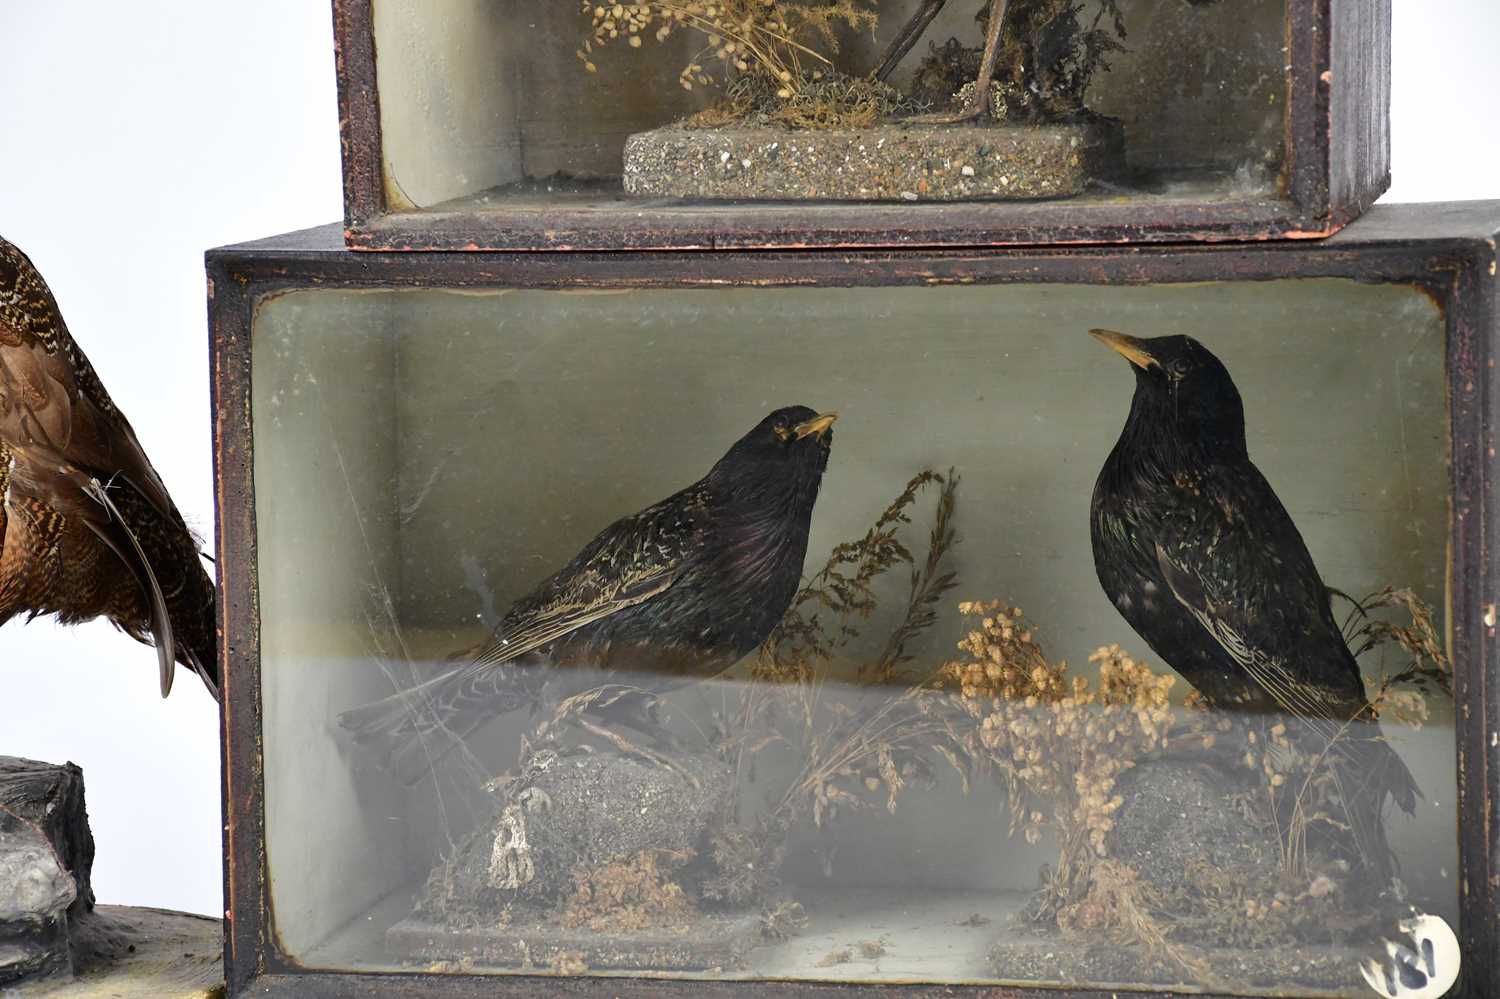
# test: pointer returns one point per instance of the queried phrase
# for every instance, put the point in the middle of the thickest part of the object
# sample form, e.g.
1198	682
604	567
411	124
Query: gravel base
710	941
881	163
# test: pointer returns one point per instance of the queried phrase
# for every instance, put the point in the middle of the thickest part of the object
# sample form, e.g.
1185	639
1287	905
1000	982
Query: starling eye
1178	368
782	433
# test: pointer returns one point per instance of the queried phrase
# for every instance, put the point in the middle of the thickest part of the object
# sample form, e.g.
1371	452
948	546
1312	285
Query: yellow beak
817	425
1128	347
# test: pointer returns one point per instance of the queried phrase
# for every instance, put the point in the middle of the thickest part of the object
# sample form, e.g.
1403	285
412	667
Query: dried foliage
744	864
1303	797
828	612
848	752
628	894
1057	743
842	754
1429	669
788	42
1253	908
1050	53
1121	907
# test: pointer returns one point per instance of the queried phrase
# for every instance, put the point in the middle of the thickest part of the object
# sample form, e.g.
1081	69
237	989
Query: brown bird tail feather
117	535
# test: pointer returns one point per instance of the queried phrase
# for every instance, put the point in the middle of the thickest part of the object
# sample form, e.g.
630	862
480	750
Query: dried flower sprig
844	752
1057	742
1429	666
776	38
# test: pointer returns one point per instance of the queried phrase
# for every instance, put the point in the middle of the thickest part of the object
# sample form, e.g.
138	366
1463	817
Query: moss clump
628	894
825	101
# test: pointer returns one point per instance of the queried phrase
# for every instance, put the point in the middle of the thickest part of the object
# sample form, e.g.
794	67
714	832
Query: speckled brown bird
680	591
89	529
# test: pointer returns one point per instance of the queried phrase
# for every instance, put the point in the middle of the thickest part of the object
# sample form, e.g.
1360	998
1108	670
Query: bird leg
642	713
978	104
629	748
907	37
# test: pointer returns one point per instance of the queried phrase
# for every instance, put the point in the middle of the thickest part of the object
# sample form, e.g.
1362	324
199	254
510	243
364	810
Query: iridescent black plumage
679	591
1204	562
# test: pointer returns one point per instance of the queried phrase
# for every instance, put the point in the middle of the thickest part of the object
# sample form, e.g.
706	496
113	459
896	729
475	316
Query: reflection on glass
490	104
595	653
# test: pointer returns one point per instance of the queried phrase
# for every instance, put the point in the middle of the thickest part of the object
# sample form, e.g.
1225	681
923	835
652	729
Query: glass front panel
597	647
489	104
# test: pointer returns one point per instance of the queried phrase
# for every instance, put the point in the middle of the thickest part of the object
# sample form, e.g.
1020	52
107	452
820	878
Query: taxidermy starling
680	591
1204	562
89	530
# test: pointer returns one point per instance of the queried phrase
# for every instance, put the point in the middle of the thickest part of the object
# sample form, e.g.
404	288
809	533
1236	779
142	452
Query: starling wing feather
1224	623
1235	560
1266	608
629	563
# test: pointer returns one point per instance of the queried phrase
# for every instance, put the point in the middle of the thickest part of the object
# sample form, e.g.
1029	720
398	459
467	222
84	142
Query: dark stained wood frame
1449	251
1337	164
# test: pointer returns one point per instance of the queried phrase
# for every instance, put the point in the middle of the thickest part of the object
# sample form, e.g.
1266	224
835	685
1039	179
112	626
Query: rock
1179	814
1182	828
580	811
46	856
587	863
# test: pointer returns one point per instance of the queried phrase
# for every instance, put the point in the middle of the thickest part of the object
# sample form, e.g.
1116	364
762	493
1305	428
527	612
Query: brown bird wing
53	397
67	439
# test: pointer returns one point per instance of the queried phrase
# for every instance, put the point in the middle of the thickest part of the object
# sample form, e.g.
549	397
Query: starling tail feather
89	529
414	729
679	591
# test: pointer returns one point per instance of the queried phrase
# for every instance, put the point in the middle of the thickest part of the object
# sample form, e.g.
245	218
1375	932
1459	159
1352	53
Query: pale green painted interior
425	457
476	94
479	93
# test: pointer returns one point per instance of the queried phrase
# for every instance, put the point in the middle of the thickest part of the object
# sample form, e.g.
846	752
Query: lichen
782	920
1049	54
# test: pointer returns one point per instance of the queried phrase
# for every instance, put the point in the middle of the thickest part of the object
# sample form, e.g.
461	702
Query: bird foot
974	110
629	748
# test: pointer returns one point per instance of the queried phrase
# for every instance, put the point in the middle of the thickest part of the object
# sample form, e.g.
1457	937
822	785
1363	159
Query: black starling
89	530
680	591
1201	558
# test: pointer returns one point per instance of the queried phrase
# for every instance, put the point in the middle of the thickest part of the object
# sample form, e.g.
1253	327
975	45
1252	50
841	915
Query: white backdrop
133	136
